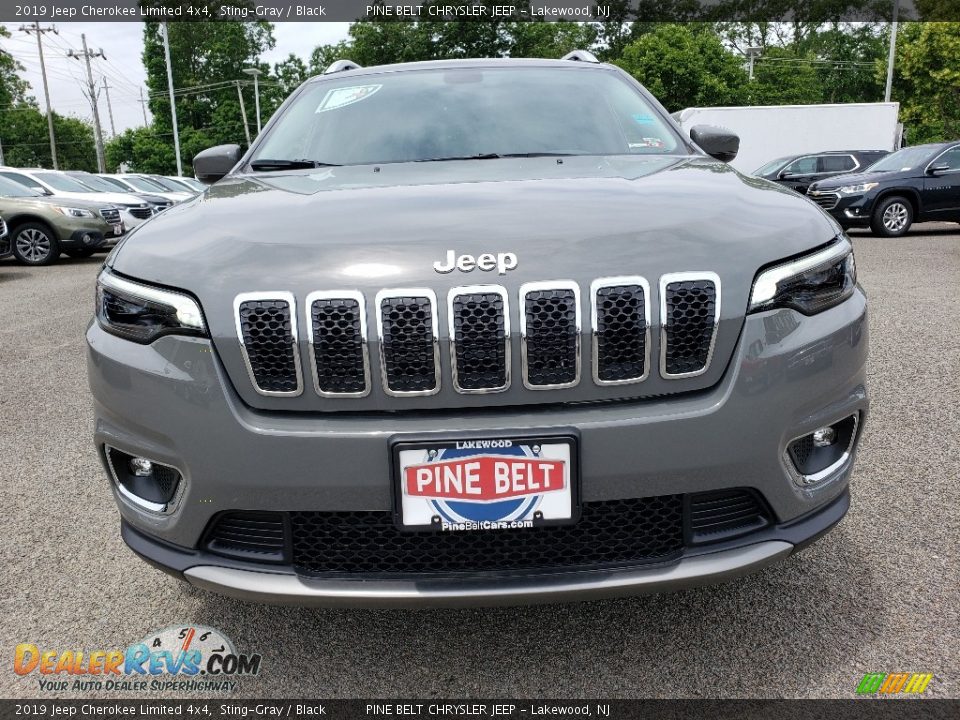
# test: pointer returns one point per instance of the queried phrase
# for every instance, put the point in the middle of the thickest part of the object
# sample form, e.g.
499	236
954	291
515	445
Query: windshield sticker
642	119
341	97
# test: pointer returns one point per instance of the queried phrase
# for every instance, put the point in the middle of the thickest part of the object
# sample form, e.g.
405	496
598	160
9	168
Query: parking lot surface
881	593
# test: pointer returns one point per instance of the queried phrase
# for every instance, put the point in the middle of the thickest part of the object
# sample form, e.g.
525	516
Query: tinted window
836	163
448	113
771	166
9	188
950	158
803	166
22	179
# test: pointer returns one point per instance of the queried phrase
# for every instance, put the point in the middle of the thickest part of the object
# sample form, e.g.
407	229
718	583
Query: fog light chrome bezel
822	477
135	501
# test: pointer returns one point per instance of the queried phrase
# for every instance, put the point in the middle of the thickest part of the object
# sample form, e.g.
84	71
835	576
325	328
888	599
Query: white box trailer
771	131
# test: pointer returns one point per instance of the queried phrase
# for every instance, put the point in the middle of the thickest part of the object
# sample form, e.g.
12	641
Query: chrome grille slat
620	313
479	320
339	358
828	201
267	329
550	334
689	318
409	343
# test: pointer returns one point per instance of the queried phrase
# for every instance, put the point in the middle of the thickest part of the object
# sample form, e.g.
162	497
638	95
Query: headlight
810	284
143	313
857	189
74	212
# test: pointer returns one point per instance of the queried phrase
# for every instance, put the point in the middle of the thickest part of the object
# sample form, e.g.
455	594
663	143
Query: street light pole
256	92
893	51
173	105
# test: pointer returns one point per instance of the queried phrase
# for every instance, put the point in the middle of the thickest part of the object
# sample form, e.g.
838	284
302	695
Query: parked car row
49	212
886	192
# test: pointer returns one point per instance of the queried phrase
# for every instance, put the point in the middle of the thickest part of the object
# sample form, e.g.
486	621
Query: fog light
824	437
141	467
87	238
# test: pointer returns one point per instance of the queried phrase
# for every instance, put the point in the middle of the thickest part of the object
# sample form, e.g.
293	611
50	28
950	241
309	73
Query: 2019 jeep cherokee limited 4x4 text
477	332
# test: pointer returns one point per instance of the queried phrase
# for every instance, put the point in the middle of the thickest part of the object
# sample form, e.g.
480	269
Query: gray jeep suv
477	332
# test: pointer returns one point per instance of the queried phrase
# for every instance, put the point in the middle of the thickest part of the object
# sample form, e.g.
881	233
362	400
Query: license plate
118	229
486	484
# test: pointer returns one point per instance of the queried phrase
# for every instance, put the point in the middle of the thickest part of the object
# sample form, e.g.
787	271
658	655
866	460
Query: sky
122	43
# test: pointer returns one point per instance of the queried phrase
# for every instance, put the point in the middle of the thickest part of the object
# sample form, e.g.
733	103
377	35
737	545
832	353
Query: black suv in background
915	184
797	172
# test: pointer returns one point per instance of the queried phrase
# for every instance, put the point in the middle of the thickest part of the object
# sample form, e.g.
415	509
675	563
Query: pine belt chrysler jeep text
477	332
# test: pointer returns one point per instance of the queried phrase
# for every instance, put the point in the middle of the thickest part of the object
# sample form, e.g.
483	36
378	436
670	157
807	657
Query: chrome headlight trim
766	286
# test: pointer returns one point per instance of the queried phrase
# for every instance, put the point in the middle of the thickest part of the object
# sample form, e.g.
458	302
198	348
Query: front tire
892	217
35	244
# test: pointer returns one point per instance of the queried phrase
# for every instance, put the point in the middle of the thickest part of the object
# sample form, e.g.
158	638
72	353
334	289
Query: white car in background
133	210
133	182
188	182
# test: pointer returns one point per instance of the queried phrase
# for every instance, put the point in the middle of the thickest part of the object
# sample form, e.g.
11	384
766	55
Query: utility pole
243	111
893	51
256	91
35	28
91	89
106	90
143	106
173	105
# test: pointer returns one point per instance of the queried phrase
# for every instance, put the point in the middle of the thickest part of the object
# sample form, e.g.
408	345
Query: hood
838	181
104	198
367	228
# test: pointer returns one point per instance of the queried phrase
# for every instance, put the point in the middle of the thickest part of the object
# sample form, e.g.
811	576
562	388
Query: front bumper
853	211
171	401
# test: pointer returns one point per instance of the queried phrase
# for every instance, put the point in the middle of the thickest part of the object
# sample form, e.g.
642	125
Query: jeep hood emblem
501	262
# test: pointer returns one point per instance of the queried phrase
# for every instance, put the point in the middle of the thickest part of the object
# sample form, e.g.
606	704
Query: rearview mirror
716	142
213	163
937	169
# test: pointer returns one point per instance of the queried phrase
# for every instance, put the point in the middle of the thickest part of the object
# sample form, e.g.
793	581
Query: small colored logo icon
894	683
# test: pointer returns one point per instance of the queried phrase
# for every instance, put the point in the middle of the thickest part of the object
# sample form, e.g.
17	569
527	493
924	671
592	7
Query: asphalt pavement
881	593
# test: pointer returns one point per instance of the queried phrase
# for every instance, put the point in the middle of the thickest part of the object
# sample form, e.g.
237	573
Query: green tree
927	83
683	67
781	78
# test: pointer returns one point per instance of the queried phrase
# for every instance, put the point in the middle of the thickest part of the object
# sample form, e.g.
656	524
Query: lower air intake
724	514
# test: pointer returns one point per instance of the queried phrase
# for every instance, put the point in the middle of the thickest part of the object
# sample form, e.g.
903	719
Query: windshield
771	166
63	183
144	184
901	160
181	184
164	184
420	115
9	188
94	183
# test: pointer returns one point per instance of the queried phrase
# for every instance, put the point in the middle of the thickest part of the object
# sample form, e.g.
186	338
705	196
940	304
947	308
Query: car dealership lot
881	593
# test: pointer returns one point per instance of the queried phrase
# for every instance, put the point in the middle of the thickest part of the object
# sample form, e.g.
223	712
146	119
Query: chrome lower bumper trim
287	589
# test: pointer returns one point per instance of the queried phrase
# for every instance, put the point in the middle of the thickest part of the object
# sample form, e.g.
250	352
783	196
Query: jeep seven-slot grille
622	333
480	342
688	324
551	337
481	350
409	344
340	358
268	336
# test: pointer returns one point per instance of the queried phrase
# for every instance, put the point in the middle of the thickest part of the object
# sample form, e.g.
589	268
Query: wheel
79	253
892	217
35	244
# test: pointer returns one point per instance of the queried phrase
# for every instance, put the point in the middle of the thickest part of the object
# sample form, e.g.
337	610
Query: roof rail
581	56
341	65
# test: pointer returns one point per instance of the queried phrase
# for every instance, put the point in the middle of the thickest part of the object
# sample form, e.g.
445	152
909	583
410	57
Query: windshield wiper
494	156
289	164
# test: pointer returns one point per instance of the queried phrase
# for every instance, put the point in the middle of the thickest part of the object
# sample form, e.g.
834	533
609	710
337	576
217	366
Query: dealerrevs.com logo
178	657
894	683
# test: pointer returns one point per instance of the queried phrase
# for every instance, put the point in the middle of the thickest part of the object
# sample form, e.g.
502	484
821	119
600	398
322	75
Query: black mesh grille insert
408	344
725	513
251	535
267	334
621	333
552	336
479	333
609	533
689	324
338	345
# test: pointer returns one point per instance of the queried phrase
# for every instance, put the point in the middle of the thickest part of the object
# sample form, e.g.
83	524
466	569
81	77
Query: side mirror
784	175
716	142
213	163
937	169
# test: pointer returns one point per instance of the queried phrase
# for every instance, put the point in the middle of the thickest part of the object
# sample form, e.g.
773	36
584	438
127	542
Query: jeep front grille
409	346
689	313
550	335
338	344
478	319
267	327
480	338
